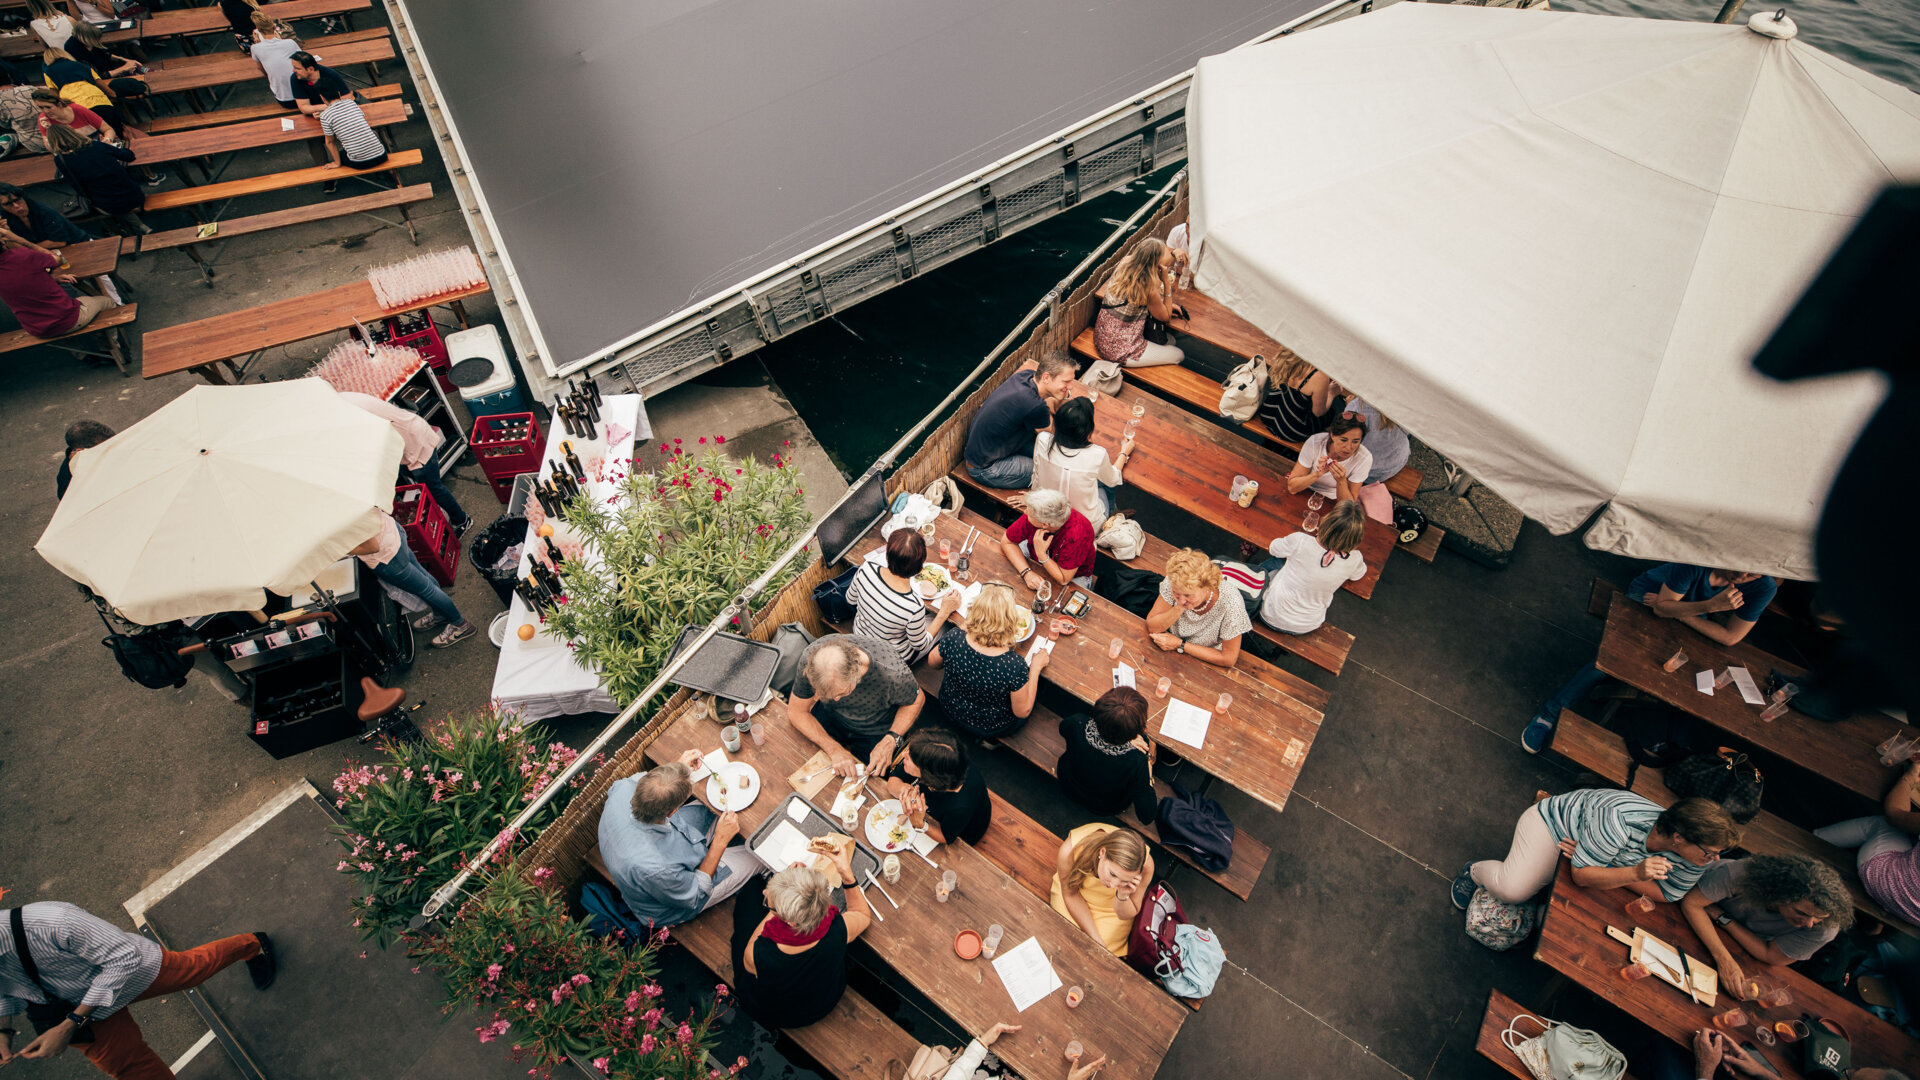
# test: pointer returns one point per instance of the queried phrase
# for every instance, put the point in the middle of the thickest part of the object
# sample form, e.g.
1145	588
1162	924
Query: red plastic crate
416	330
429	534
506	445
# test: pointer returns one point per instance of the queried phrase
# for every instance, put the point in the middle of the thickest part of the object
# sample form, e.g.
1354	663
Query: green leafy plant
557	990
671	550
416	816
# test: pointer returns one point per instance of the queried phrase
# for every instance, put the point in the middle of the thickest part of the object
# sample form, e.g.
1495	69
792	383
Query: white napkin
968	595
1041	643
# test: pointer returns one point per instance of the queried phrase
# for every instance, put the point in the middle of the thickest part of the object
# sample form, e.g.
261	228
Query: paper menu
1123	675
286	123
1186	723
1026	973
785	846
1040	642
1743	679
1703	682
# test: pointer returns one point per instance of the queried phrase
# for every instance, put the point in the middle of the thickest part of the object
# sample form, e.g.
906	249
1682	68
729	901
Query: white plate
880	819
940	590
1027	621
727	782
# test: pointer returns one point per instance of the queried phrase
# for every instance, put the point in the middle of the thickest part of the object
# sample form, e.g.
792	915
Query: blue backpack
1198	827
1201	959
608	915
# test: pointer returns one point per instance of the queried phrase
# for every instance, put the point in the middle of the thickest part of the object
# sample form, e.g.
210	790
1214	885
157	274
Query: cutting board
1706	981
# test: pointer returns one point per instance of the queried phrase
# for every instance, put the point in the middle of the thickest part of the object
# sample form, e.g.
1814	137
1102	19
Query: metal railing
742	604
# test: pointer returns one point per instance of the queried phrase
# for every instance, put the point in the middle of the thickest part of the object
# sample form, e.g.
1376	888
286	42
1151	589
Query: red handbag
1150	947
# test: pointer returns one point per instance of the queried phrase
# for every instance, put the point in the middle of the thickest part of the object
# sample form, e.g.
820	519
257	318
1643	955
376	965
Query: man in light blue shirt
668	854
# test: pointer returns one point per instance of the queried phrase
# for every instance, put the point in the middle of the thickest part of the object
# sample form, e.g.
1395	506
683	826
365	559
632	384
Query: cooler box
483	374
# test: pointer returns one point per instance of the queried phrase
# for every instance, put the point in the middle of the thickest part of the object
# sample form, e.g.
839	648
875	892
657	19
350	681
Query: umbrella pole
1729	12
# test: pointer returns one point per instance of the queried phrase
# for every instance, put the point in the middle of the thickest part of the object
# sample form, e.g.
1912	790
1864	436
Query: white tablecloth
538	679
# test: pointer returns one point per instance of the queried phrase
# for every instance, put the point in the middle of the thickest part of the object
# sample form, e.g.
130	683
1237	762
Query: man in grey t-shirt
855	698
1780	909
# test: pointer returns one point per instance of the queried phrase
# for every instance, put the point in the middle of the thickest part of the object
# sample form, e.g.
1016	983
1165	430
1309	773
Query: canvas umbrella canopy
1548	244
224	493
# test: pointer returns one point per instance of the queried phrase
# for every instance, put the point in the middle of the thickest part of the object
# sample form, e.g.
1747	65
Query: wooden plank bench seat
243	113
188	21
313	45
854	1042
107	324
1501	1010
1325	648
187	197
234	68
1603	752
188	238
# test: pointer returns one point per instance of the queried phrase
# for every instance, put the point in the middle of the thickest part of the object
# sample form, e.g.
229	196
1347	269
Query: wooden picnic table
1211	321
209	346
206	142
91	258
1574	942
29	43
1125	1016
1189	463
1637	643
239	68
207	20
1246	748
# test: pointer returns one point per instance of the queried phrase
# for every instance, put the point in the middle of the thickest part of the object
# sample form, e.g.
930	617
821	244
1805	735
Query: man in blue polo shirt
999	449
1692	594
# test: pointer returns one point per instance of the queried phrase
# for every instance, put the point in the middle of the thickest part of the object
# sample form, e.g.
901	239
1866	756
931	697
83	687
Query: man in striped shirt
347	132
1615	839
95	970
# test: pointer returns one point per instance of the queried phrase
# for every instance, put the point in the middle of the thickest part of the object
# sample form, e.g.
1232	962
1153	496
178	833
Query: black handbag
50	1015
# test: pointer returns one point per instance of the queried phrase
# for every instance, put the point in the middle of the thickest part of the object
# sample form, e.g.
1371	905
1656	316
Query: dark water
864	377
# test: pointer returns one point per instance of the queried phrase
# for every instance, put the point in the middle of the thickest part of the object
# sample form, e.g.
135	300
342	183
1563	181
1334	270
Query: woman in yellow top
1102	871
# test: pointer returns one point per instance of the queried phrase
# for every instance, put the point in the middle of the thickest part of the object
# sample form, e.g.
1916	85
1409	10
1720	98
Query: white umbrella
1549	244
224	492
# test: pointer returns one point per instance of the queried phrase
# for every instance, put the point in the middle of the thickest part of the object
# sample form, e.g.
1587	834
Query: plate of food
1024	617
932	582
888	827
733	787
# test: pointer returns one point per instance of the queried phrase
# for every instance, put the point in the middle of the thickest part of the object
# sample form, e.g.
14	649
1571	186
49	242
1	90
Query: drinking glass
1221	706
1074	996
1730	1019
946	551
698	709
1316	501
1044	592
943	889
1896	750
1775	997
1774	711
1791	1031
1165	684
1239	485
1763	1035
1074	1051
1139	407
1639	906
759	734
1722	680
1635	972
991	944
1113	649
1310	524
1749	989
1673	662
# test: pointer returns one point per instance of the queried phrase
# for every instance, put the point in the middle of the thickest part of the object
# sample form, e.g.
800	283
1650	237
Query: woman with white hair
1051	542
790	943
987	689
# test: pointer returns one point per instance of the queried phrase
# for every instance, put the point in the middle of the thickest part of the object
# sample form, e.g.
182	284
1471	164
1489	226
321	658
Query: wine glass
1044	592
1316	501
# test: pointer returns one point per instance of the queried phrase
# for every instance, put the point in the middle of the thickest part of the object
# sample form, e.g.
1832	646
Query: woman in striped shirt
1299	398
887	608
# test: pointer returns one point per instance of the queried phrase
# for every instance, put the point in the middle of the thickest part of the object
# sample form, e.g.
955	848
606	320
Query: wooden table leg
460	312
219	373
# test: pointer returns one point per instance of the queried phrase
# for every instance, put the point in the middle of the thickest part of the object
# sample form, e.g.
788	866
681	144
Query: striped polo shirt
897	618
1610	829
348	125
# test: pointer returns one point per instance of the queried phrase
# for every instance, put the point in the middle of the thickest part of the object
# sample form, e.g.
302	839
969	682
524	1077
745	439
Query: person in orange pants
55	951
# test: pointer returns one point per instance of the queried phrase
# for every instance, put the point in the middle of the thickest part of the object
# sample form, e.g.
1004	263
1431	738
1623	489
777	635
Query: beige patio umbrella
223	494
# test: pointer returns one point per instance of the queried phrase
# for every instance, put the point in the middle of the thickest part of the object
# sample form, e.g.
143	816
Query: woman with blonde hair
97	171
986	689
1298	399
1098	879
273	49
1306	570
49	24
1142	285
1193	614
89	47
790	943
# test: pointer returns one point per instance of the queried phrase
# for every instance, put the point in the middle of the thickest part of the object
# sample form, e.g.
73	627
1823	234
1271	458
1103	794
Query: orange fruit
544	530
527	631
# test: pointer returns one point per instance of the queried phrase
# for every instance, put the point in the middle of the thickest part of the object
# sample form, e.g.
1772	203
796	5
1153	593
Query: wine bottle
592	407
573	461
553	552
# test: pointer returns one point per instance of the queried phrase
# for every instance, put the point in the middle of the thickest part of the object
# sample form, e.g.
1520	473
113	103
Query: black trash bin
487	547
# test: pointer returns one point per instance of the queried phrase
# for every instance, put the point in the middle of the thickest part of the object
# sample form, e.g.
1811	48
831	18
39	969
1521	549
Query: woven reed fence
564	845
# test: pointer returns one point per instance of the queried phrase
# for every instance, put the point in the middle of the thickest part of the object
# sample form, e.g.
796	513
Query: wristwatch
1181	648
79	1021
1723	919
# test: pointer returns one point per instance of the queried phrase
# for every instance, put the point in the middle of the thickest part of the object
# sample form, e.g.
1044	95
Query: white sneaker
454	634
426	621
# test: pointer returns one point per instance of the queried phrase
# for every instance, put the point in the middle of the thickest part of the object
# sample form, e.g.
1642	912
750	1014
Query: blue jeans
1106	492
428	473
1008	472
1574	692
405	573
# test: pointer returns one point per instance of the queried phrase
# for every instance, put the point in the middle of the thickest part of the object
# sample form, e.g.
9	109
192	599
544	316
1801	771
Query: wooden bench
1604	753
1501	1010
188	197
242	113
184	22
854	1042
1040	742
1326	648
188	239
312	45
107	323
235	68
206	142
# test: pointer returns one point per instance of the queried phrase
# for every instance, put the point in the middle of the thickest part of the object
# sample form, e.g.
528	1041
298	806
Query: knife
1686	974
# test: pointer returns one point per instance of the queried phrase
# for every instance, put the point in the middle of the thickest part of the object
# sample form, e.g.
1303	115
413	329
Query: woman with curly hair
1780	909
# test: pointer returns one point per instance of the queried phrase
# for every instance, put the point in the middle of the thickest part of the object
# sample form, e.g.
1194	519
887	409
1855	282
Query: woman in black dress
940	789
790	943
1108	761
986	688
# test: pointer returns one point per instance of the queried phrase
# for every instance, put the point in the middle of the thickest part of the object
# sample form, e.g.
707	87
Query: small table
539	679
1189	463
1636	645
1125	1017
1246	748
209	346
1574	942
